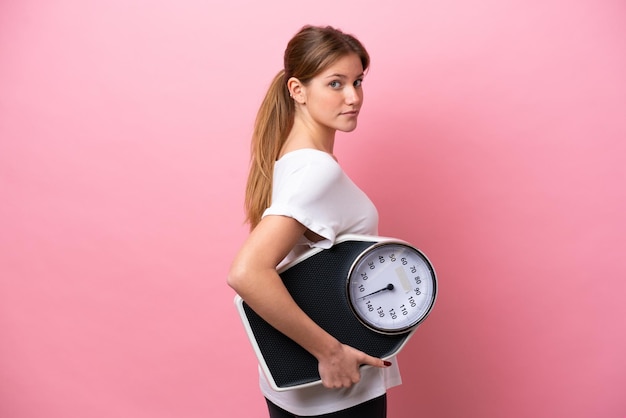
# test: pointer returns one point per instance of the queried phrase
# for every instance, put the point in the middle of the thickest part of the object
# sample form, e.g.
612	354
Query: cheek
327	102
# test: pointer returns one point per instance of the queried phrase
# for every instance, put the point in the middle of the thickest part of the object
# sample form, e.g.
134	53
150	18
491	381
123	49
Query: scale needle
388	287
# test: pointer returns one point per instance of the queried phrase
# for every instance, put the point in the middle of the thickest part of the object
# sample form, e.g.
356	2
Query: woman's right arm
254	277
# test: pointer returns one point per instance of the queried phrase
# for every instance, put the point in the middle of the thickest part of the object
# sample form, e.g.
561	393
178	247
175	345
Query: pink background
493	138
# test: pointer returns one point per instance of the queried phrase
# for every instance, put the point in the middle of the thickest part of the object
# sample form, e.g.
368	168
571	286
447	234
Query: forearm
268	297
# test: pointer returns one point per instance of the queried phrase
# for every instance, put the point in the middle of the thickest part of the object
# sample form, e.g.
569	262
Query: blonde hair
309	52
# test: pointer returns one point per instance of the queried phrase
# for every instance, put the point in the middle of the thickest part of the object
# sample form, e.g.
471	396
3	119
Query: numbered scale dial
391	287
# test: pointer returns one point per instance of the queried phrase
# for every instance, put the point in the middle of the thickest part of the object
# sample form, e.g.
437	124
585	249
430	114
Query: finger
376	362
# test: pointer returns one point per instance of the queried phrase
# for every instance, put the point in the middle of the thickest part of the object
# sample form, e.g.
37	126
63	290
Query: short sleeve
311	187
303	190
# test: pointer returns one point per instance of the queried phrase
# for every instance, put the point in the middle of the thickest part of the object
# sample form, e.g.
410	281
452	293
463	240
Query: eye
335	84
358	82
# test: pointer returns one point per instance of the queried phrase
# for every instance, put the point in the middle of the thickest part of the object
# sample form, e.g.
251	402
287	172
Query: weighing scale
369	292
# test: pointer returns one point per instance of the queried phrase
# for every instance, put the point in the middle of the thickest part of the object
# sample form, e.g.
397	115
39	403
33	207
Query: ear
296	90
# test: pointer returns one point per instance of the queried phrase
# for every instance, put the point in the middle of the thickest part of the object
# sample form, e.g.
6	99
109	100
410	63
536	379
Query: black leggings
375	408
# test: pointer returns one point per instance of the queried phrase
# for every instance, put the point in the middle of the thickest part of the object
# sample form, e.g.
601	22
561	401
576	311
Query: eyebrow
337	75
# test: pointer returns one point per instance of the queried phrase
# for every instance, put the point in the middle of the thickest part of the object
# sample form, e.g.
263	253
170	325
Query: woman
298	197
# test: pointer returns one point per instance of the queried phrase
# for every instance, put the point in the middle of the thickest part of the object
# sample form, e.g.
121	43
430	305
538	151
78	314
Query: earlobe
296	90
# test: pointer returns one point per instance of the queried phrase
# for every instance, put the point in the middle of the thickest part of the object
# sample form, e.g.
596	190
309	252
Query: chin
349	128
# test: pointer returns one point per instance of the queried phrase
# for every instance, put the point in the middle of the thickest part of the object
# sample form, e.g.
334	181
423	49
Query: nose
353	95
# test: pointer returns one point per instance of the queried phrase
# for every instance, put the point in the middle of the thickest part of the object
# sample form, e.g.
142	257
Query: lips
350	113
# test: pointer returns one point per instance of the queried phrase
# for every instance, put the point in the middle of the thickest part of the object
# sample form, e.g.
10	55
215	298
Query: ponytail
273	123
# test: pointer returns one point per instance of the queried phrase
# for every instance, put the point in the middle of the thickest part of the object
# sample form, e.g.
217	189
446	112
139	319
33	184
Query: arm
253	276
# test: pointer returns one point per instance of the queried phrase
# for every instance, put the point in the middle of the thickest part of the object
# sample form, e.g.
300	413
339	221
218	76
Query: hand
340	369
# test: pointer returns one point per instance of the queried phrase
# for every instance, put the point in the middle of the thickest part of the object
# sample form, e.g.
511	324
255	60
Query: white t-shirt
310	186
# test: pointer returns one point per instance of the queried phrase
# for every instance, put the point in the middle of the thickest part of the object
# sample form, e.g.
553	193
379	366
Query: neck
308	135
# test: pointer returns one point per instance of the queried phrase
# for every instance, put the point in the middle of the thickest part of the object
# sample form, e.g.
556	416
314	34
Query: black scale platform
318	285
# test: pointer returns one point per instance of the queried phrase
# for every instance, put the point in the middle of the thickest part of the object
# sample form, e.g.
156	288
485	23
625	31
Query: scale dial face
391	287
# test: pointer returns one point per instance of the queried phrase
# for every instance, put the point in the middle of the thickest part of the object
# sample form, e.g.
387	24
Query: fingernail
387	363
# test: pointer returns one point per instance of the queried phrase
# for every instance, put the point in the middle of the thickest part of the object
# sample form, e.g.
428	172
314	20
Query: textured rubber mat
318	285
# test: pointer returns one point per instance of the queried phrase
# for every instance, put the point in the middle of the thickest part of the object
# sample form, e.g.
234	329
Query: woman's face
333	98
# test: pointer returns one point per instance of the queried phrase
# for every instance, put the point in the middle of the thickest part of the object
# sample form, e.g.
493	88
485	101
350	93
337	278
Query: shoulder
310	164
306	178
